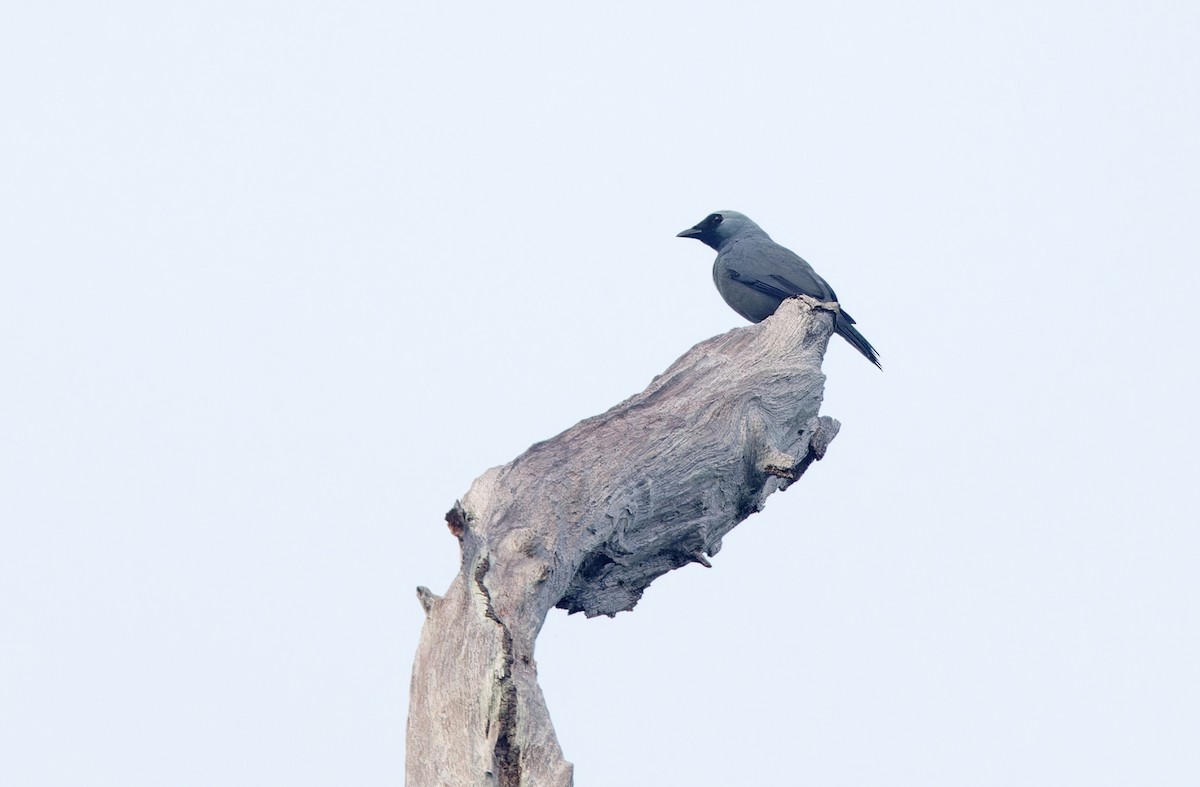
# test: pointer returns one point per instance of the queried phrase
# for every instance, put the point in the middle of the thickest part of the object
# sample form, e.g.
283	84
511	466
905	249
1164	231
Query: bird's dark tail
843	326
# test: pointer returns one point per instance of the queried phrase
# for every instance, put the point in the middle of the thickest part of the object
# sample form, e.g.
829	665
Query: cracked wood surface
586	520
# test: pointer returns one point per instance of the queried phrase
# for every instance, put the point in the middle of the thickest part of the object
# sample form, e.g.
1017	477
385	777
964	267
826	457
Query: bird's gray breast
733	285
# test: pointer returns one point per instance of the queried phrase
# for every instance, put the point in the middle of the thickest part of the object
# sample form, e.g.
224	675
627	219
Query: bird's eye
715	219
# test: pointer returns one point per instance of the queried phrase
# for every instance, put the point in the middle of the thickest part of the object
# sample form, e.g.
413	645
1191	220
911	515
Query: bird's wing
759	285
792	287
774	270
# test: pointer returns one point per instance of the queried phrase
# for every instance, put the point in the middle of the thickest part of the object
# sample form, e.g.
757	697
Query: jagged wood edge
588	519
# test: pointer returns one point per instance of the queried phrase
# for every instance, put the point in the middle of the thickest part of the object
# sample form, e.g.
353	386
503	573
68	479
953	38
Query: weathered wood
587	520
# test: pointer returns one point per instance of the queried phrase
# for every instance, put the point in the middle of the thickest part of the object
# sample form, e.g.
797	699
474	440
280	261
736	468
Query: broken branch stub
588	519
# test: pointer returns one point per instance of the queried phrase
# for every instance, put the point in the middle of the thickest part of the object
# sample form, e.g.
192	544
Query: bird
754	274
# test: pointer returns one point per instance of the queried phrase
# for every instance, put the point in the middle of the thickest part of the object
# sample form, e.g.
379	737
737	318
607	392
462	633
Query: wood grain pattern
588	519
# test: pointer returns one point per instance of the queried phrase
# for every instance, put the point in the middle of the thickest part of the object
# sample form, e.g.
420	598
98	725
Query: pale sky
279	280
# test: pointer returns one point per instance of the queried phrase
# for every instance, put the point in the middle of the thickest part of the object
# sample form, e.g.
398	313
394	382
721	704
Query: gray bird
754	274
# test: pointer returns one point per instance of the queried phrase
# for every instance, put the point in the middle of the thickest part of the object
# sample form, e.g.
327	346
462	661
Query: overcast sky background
279	280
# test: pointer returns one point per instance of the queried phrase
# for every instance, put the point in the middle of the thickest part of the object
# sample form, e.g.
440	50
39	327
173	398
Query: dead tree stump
587	520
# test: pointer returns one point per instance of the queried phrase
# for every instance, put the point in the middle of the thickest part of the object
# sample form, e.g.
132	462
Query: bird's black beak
690	232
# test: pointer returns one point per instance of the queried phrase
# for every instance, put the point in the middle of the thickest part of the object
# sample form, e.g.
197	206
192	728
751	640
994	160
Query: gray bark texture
585	521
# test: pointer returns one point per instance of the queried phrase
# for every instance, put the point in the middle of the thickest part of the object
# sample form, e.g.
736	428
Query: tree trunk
587	520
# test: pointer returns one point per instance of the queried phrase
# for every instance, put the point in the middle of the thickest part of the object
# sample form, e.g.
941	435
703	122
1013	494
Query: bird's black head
705	231
717	228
